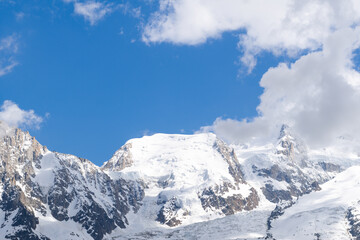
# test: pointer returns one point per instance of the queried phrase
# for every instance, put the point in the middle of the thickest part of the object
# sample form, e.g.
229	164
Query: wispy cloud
92	11
13	116
19	16
8	48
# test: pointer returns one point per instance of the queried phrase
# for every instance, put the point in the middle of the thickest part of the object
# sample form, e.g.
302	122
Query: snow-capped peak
285	131
185	174
289	145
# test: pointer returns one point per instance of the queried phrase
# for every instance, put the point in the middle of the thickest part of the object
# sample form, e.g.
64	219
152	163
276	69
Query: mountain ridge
158	186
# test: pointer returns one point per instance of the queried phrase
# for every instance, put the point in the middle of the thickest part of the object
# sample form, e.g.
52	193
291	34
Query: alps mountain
169	186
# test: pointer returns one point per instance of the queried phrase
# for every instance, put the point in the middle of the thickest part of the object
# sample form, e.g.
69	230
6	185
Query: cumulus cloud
13	116
282	26
318	95
8	48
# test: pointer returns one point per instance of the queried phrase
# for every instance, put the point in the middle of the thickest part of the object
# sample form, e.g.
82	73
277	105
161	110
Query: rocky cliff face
38	185
353	217
288	173
217	197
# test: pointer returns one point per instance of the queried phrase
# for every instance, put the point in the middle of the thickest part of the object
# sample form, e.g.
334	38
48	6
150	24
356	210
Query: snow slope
322	213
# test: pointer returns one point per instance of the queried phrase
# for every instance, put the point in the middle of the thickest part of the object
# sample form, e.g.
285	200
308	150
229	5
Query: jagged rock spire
290	146
284	131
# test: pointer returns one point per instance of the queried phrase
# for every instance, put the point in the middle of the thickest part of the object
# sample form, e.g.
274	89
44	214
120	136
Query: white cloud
92	11
318	95
8	48
277	26
13	116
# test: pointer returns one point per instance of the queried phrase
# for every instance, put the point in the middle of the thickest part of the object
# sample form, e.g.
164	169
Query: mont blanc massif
173	186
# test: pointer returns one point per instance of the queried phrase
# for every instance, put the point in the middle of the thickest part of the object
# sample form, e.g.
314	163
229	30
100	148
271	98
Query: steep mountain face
178	187
44	193
286	170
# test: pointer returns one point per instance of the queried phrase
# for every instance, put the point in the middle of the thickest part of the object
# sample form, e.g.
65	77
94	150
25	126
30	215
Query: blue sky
102	88
98	84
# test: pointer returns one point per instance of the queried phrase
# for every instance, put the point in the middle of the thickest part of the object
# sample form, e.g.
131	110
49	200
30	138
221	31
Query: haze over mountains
172	186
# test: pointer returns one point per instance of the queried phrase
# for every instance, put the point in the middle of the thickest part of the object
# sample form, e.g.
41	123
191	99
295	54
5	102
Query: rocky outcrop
353	218
330	167
216	199
229	156
291	148
121	159
168	213
297	182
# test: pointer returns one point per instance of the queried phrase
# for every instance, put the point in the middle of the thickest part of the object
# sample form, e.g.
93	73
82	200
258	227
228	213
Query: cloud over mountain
12	115
318	94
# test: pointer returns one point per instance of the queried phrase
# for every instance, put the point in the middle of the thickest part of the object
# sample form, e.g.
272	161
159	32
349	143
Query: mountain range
174	186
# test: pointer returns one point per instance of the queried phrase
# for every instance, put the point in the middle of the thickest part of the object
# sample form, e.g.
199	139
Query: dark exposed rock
95	220
215	198
230	157
277	212
168	212
354	223
212	198
275	172
275	196
317	235
24	220
59	198
330	167
121	159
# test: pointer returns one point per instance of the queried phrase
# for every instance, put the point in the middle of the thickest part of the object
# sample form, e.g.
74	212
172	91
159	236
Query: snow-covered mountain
188	178
49	195
179	187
